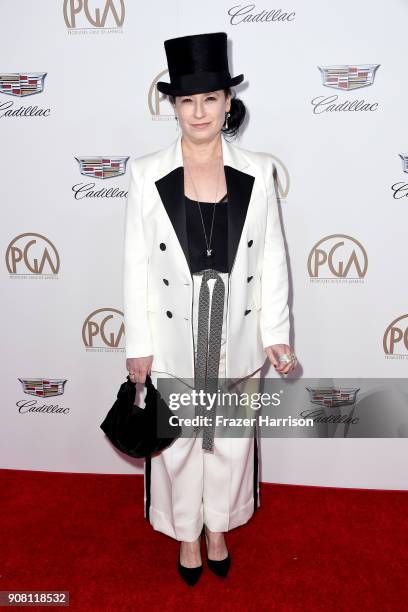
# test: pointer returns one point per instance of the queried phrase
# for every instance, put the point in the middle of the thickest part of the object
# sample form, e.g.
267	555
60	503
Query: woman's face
204	108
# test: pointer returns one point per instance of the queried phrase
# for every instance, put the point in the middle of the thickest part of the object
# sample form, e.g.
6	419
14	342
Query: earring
178	127
226	120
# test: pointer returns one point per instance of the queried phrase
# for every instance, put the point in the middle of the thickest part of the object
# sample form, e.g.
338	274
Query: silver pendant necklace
209	254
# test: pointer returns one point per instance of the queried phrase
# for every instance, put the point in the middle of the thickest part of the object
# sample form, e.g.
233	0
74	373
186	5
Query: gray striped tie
208	348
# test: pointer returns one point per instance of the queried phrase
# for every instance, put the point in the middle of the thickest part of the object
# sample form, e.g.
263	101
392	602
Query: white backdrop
336	168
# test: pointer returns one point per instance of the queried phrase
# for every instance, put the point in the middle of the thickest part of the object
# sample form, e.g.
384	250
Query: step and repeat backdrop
326	95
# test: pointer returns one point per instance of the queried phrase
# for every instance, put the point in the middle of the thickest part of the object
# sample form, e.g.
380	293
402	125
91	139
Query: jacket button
250	243
169	314
165	281
162	246
247	311
249	278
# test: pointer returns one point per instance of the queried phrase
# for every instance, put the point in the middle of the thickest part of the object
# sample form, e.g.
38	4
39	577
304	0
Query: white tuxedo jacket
157	282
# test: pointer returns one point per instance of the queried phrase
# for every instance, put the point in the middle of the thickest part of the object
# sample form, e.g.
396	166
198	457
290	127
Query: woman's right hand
138	367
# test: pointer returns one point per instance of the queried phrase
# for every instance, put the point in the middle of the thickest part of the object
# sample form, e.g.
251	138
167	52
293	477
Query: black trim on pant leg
148	473
255	471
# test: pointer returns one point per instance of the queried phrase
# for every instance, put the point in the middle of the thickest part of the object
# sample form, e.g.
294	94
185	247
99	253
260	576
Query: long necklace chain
208	244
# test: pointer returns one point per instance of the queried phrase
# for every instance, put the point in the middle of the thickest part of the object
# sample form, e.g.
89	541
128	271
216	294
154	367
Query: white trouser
186	486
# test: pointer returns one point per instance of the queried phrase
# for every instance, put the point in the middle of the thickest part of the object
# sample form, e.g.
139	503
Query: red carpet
306	548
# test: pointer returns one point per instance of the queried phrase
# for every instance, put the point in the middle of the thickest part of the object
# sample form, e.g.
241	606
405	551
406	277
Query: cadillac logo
347	78
404	157
43	387
330	396
102	167
22	84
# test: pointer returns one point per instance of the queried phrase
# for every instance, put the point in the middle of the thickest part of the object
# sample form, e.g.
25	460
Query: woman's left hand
274	352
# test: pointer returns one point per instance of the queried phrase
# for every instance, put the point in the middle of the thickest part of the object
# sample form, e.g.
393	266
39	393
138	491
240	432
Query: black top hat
197	64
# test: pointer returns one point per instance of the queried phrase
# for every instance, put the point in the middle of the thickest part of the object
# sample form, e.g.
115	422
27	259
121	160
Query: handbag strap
148	381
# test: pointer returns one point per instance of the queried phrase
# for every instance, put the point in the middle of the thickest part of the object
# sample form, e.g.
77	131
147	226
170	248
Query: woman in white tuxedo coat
205	294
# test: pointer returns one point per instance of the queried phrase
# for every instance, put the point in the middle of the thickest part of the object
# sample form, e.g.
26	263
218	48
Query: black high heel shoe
190	575
219	568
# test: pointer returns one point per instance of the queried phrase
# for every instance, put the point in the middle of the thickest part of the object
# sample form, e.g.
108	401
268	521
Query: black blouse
196	239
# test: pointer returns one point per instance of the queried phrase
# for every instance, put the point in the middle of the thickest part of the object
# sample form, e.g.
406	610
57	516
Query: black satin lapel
239	188
171	190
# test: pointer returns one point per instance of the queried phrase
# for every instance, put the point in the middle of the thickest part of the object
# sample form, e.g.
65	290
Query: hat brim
169	90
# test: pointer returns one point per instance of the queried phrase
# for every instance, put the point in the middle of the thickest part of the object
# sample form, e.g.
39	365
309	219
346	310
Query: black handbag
134	430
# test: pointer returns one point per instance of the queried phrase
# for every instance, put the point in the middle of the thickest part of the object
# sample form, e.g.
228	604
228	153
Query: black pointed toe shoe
219	568
190	575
